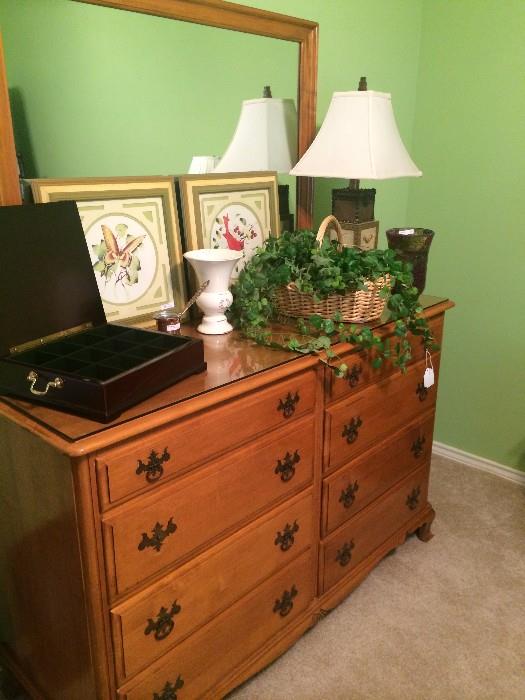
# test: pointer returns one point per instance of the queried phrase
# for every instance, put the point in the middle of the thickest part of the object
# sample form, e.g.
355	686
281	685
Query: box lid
47	283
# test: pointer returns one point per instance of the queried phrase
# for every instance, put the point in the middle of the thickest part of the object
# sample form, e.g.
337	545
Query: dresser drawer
204	659
362	420
353	487
353	542
146	626
145	463
361	373
152	532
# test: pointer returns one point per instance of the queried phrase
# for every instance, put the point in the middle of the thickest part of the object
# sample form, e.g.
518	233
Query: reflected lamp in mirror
203	164
265	139
358	139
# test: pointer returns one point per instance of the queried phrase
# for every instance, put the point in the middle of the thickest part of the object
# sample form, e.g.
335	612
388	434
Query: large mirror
123	93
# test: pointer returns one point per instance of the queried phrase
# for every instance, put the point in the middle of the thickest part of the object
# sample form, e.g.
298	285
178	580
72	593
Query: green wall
455	73
469	142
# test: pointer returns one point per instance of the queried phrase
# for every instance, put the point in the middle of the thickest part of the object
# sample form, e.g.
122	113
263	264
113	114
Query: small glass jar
168	321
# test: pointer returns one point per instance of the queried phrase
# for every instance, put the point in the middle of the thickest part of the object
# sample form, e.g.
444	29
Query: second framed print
132	235
238	211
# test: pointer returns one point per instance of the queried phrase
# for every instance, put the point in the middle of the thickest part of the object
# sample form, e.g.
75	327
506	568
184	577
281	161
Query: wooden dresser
176	551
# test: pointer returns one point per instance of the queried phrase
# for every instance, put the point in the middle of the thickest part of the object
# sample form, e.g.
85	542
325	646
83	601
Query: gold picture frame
238	211
132	234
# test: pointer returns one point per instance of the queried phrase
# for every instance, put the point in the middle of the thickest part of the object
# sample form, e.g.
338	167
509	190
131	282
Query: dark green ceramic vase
412	247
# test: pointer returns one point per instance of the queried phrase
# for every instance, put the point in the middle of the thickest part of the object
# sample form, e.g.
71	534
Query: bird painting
232	242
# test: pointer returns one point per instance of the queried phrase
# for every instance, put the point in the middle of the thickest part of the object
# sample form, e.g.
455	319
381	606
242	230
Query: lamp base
353	204
363	235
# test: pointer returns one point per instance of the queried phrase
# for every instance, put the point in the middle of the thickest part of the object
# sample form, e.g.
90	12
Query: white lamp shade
203	164
358	140
265	137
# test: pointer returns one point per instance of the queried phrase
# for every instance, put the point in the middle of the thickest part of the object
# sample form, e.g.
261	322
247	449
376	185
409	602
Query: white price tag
428	376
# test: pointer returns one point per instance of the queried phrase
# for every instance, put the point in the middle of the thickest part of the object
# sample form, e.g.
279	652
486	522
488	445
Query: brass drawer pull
288	405
164	624
153	469
284	605
354	374
344	555
413	498
169	692
159	535
32	378
348	495
422	391
286	466
417	446
286	538
351	430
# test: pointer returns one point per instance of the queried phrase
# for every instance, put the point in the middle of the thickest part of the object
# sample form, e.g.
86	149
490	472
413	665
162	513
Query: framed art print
238	211
132	235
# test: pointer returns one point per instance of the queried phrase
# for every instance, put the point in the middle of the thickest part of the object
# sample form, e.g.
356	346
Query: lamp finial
362	84
267	91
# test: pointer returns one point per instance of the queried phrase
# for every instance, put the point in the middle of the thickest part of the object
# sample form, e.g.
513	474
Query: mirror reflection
98	92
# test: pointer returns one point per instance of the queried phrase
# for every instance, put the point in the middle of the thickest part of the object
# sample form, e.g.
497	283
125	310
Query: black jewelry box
55	345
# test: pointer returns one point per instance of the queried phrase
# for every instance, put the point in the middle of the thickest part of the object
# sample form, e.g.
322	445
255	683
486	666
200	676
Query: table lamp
265	139
358	139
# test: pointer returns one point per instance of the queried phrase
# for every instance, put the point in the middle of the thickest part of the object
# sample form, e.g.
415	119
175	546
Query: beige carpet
443	620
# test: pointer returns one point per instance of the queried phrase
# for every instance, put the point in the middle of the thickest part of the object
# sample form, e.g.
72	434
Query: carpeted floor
438	621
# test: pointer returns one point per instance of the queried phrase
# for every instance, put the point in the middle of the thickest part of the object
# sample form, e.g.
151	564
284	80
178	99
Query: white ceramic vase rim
213	254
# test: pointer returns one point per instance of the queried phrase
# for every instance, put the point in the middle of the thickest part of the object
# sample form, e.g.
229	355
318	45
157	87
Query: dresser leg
424	532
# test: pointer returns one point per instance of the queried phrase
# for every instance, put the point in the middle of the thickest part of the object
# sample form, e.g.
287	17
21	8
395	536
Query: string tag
428	377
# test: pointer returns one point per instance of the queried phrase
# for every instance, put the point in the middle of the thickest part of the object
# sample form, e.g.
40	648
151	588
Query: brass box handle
32	377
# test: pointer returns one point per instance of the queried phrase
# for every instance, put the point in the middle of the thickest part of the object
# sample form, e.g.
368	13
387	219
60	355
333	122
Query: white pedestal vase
215	265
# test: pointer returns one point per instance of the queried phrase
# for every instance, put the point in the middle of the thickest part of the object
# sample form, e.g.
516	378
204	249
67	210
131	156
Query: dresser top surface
230	358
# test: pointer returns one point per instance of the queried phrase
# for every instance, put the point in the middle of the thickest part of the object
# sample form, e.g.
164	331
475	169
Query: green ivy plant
321	270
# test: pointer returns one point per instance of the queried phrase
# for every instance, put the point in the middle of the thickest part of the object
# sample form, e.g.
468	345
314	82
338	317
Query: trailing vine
321	270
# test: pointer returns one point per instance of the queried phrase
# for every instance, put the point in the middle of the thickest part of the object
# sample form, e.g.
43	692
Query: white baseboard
485	465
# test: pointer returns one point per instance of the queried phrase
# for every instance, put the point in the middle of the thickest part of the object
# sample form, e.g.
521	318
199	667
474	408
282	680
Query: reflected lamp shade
265	137
203	164
358	140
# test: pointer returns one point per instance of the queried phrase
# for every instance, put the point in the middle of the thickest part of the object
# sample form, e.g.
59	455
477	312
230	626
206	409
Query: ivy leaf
321	343
341	370
329	326
316	321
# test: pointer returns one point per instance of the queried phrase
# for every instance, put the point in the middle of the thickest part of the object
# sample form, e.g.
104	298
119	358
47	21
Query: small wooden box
55	345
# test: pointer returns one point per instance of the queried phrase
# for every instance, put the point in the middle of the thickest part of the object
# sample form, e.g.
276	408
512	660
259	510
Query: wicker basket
354	307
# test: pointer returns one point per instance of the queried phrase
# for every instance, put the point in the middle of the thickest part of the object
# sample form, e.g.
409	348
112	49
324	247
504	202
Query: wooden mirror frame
214	13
